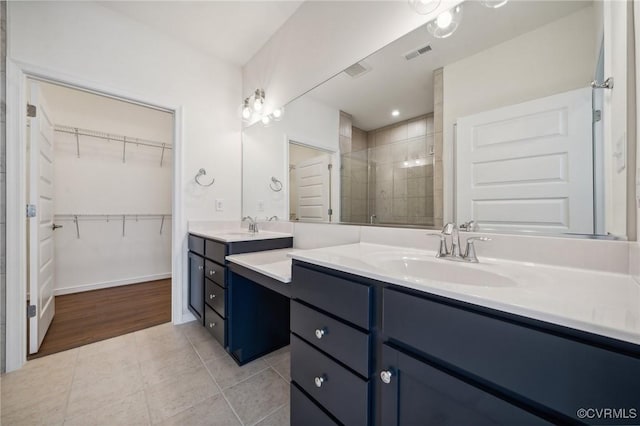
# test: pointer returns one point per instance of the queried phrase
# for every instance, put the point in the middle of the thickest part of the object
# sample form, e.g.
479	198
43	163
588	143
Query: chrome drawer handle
385	376
200	268
212	272
320	332
212	296
320	380
212	324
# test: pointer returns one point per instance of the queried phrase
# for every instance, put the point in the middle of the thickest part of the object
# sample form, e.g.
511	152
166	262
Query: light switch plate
219	205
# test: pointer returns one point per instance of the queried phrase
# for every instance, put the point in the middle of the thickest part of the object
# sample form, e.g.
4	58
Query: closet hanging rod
111	216
76	131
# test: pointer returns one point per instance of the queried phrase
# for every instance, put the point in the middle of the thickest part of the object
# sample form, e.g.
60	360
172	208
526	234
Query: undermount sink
423	269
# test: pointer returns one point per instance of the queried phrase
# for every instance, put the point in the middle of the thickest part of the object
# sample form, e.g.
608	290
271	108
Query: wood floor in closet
91	316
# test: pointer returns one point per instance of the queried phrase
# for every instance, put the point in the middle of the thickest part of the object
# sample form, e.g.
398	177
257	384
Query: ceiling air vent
357	69
417	52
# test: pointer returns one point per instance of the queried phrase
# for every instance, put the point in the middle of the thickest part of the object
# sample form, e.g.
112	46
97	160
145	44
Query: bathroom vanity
213	288
366	351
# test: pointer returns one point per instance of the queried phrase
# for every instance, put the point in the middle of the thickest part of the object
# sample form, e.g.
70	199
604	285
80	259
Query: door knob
211	272
319	380
320	332
385	376
200	267
212	324
212	296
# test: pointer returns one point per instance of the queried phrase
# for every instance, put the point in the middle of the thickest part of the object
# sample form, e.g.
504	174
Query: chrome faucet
451	229
274	217
253	224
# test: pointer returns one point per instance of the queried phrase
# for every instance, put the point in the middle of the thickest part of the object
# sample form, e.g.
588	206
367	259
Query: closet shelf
77	132
124	217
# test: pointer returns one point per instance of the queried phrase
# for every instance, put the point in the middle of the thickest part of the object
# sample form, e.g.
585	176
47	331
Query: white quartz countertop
235	235
597	302
272	263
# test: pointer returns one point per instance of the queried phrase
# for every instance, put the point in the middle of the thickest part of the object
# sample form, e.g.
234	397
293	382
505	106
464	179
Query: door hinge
597	115
31	110
330	212
330	166
31	210
31	311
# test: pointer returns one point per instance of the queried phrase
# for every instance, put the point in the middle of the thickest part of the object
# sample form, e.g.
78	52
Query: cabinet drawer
214	323
345	299
419	394
339	340
196	244
557	372
215	251
341	392
214	297
305	412
215	272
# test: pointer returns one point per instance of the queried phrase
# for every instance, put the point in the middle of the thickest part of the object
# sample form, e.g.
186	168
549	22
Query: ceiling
395	83
229	30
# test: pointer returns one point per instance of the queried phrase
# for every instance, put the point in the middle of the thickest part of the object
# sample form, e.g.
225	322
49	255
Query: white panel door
528	166
41	244
313	186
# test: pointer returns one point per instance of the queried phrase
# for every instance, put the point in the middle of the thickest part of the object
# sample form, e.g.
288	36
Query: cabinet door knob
385	376
200	267
212	324
320	332
319	380
212	272
212	296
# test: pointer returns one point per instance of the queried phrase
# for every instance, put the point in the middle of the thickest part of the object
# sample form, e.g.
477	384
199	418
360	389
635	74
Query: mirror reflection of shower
387	174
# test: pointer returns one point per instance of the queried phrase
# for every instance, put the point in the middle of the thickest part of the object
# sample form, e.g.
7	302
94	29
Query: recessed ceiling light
395	113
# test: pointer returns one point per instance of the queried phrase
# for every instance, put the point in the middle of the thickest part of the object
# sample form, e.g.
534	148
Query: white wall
84	41
321	39
98	182
266	154
555	58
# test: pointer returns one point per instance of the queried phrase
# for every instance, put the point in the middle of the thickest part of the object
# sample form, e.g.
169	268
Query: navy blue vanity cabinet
209	279
331	362
196	277
552	371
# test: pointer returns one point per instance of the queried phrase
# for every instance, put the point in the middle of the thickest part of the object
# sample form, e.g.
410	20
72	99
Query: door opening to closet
99	188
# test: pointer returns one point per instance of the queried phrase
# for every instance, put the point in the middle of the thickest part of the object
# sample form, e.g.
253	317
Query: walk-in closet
99	183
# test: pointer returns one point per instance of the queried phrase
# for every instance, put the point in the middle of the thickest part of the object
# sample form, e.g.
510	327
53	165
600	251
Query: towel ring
277	183
203	172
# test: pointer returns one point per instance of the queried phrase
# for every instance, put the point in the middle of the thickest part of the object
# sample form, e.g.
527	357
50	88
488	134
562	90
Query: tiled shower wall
3	115
401	161
353	173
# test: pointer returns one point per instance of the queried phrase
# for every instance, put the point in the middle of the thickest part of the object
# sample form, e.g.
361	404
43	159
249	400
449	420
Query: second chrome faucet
453	253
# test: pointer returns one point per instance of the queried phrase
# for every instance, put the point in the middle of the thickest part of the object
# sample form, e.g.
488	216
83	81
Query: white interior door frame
16	235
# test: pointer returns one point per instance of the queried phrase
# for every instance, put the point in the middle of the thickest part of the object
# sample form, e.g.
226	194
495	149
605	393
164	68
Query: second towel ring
275	182
203	172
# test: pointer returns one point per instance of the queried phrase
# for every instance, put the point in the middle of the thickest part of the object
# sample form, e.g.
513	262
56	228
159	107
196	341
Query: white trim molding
108	284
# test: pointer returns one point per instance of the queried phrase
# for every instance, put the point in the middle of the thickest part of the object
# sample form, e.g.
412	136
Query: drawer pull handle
385	376
320	380
200	267
320	332
212	296
212	324
212	272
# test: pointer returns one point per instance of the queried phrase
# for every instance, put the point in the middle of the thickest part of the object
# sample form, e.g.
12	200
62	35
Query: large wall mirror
496	124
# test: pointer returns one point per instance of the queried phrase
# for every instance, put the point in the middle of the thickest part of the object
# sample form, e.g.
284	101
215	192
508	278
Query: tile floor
167	375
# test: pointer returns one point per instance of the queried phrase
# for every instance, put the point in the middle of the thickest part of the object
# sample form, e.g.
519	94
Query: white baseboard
106	284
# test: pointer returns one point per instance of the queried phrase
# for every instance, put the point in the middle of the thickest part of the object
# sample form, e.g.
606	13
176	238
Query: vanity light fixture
395	113
493	4
446	23
266	119
424	7
277	113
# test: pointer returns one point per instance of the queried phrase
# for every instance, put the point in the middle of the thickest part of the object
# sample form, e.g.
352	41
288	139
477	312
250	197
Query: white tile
213	411
227	373
259	396
130	410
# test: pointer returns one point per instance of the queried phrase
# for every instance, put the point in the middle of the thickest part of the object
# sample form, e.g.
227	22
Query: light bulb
493	4
444	20
446	23
424	7
277	113
395	113
257	104
266	119
246	113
